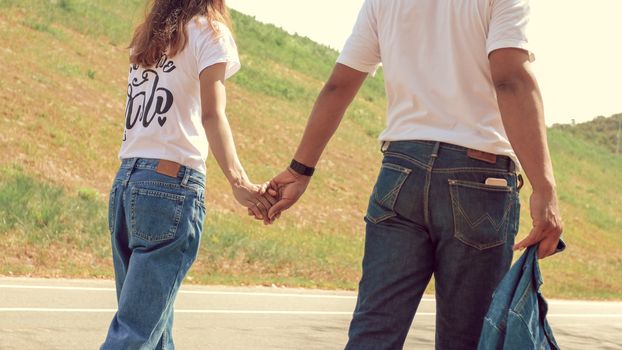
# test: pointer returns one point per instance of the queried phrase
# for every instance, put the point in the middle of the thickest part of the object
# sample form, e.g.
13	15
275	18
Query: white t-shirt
437	73
163	109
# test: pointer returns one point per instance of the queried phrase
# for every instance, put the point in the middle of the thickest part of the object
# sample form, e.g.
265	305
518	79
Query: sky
577	44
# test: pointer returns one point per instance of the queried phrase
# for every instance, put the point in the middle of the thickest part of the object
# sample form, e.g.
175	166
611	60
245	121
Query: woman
180	57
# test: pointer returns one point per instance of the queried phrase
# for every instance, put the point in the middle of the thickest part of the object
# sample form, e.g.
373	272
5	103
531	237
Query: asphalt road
74	314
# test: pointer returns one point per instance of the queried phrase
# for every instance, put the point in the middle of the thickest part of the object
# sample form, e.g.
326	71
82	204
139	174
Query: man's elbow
514	84
344	80
333	86
508	86
510	70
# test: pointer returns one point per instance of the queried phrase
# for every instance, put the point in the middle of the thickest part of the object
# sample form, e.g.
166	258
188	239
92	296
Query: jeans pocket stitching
158	194
161	184
457	209
478	186
388	201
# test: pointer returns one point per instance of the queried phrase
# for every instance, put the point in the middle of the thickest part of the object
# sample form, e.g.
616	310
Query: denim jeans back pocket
112	208
155	215
385	193
481	213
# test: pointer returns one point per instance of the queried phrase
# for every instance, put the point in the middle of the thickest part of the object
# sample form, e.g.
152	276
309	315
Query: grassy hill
601	130
62	86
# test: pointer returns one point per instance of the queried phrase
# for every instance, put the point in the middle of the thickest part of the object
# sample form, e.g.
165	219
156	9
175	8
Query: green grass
111	19
589	192
48	213
261	48
40	223
601	130
40	218
62	90
237	251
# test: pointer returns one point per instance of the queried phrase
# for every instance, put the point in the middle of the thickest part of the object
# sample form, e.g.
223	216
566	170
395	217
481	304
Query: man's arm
520	103
330	106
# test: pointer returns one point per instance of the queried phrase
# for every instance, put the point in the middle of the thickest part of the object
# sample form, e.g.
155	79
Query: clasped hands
266	202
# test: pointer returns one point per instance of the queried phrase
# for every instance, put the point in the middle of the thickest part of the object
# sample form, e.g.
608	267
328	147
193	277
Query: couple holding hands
463	109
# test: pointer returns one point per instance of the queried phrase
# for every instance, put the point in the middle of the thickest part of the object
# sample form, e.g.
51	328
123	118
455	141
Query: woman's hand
255	198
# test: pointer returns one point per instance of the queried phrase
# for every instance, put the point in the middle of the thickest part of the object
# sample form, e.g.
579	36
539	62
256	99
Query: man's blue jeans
156	222
432	213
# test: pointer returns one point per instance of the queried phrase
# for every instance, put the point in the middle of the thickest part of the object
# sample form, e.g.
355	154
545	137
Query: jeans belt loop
511	166
187	171
385	146
437	146
130	170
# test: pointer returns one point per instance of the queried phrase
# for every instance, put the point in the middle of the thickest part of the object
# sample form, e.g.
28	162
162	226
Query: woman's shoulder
201	26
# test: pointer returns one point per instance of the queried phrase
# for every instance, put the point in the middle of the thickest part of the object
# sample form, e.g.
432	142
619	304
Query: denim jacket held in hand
516	318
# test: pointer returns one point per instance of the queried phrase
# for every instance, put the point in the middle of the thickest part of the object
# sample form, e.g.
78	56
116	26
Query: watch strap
301	168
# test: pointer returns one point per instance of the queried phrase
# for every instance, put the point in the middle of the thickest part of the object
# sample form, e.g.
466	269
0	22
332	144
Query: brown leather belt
168	168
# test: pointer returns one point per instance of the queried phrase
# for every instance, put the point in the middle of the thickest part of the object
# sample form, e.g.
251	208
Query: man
463	109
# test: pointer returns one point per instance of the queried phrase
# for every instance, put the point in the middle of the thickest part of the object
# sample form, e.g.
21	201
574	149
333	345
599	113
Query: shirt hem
233	66
364	68
515	44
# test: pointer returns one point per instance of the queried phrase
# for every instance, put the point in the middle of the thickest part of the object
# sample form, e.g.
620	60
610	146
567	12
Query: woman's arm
218	132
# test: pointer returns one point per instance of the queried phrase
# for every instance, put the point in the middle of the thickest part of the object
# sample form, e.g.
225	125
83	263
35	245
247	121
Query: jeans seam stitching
426	192
472	169
519	316
479	186
407	158
111	209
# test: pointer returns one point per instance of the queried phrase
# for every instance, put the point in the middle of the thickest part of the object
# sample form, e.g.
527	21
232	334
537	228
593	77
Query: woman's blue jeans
155	222
431	213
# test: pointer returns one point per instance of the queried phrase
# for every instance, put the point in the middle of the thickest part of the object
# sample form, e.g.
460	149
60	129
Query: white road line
283	295
86	289
263	294
584	316
33	309
244	312
584	302
185	291
267	312
196	292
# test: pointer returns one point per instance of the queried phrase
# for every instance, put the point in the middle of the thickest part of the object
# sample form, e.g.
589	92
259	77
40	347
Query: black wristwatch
301	168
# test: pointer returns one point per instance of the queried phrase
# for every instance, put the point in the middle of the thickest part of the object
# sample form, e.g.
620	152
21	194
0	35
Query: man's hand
522	113
255	198
328	110
288	187
547	224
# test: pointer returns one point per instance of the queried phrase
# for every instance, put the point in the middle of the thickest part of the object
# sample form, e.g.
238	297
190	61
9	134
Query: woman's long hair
164	28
